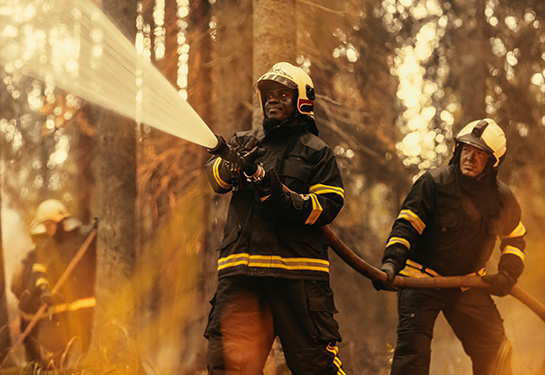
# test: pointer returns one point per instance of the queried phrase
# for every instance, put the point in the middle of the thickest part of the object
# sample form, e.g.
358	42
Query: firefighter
273	267
448	226
65	327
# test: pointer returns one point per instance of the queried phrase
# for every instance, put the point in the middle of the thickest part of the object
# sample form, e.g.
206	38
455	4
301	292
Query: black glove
391	270
269	185
501	283
48	298
247	150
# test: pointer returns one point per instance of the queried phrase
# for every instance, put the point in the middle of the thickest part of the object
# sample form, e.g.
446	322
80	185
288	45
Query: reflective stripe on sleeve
513	250
413	219
519	231
41	281
416	270
37	267
216	172
273	261
403	241
326	189
316	209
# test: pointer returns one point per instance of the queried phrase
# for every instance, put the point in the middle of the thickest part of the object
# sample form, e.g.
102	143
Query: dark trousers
249	312
473	317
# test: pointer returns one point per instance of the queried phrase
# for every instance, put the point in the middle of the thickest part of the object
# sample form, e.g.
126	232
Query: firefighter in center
448	226
273	267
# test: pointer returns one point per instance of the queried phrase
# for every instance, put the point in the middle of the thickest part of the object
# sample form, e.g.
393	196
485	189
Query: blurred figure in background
64	330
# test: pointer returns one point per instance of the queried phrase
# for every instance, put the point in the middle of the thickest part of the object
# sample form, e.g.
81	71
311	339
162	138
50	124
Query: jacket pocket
295	173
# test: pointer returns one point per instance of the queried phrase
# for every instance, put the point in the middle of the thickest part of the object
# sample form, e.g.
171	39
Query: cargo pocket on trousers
321	310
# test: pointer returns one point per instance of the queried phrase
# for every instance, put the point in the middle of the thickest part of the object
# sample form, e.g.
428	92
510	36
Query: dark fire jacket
440	230
281	236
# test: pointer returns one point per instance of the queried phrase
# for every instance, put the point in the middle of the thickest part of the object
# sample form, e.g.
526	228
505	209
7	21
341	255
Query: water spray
72	44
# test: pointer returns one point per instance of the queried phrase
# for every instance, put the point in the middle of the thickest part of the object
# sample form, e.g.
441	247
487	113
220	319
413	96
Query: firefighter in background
273	268
65	327
448	226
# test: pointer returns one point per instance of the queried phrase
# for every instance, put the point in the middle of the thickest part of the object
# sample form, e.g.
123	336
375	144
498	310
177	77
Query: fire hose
373	273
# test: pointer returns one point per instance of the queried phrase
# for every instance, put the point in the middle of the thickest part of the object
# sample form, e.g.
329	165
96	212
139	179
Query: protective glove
391	270
501	283
48	298
269	185
247	150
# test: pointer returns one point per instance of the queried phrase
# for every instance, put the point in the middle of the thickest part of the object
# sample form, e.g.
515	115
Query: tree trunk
275	40
5	341
199	95
116	193
472	65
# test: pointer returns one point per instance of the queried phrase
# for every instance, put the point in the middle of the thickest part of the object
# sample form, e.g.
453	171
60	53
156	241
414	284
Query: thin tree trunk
199	95
5	341
116	191
275	36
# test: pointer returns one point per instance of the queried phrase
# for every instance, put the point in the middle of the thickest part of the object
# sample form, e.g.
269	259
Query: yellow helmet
294	78
50	209
486	135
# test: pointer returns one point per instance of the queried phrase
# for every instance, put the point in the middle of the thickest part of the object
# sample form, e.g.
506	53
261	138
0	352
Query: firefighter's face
50	227
279	102
472	161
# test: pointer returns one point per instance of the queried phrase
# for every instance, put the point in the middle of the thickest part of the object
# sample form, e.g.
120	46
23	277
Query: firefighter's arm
233	162
416	211
512	245
319	206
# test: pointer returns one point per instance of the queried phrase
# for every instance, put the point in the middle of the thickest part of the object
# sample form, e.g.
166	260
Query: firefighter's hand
247	150
391	270
48	298
270	185
500	283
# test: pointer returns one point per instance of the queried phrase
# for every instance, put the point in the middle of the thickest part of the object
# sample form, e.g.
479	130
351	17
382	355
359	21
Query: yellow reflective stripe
400	240
216	172
37	267
82	303
325	189
316	209
62	307
273	261
41	281
519	231
336	360
413	269
513	250
413	219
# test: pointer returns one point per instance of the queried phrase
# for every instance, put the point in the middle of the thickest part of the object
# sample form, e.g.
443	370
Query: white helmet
50	209
486	135
294	78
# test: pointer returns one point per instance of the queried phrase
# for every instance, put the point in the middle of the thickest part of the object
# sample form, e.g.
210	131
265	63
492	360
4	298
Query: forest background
396	80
